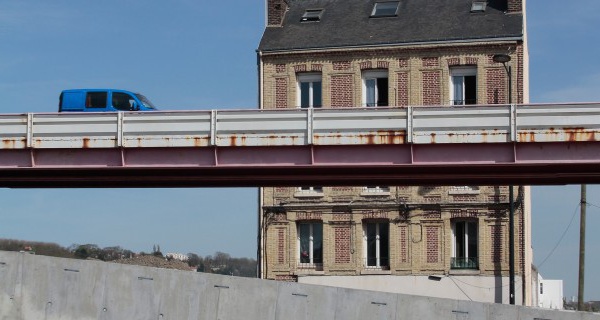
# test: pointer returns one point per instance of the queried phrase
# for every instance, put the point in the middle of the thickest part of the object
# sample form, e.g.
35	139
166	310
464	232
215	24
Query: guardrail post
409	124
213	127
309	125
513	123
120	129
29	130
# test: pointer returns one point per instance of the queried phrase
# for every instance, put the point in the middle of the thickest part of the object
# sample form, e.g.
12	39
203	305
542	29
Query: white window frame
454	238
375	191
311	252
373	75
461	72
308	192
311	78
377	245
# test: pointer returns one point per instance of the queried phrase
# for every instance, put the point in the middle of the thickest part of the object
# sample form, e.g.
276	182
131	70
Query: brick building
447	241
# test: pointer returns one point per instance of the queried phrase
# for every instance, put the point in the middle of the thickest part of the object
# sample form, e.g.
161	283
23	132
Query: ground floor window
376	240
310	243
465	245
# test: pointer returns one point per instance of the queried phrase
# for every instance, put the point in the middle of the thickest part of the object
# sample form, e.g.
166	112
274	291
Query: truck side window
96	100
122	101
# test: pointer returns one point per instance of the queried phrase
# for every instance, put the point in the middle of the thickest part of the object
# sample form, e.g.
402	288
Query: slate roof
347	23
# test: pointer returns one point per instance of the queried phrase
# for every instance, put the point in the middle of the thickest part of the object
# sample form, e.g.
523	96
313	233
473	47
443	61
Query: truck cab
103	100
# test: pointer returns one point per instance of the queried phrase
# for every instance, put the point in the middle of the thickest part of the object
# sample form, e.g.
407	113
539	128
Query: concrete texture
38	287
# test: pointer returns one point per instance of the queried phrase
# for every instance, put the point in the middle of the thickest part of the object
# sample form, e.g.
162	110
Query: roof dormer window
312	15
385	9
478	6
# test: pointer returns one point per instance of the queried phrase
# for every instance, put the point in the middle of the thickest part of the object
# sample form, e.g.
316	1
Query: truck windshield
145	101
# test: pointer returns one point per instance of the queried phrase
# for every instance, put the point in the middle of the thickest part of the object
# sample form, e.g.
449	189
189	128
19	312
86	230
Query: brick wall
515	6
433	240
432	91
342	244
341	91
275	12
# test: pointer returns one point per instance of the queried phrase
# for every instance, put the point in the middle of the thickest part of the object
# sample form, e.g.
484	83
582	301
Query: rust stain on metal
484	136
197	142
528	136
86	143
8	143
579	134
433	137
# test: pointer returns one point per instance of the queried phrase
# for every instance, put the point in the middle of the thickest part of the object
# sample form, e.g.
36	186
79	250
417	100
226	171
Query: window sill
375	272
308	195
308	272
374	194
451	192
464	272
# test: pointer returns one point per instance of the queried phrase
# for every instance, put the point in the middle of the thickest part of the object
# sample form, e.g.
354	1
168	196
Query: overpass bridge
535	144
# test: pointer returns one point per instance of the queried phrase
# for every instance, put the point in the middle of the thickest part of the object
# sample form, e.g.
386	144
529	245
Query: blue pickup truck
99	100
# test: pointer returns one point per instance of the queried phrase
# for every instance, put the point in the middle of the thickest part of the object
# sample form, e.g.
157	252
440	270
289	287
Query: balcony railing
464	263
311	266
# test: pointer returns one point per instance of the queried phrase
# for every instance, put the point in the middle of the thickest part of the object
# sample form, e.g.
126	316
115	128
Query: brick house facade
448	241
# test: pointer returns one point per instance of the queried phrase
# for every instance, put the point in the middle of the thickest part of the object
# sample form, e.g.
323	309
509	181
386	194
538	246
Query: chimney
515	6
275	12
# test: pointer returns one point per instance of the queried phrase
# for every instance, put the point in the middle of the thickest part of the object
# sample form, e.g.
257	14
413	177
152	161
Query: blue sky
187	54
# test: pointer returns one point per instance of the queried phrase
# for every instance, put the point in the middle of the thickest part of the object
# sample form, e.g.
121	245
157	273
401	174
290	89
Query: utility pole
580	299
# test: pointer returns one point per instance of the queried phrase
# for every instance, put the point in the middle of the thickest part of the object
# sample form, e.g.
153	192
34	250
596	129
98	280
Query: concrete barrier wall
38	287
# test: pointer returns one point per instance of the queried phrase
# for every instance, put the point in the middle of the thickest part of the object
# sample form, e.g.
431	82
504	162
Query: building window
310	244
385	9
376	243
375	191
309	90
309	192
463	84
375	88
465	245
478	6
312	15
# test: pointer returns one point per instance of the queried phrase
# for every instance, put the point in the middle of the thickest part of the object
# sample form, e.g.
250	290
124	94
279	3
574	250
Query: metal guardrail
300	127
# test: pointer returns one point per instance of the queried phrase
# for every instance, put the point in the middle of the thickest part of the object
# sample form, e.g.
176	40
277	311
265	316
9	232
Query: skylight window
385	9
478	6
312	15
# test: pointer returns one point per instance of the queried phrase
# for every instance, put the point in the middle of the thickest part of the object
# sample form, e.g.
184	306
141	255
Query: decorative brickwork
496	247
366	65
432	214
496	84
403	244
341	65
280	68
402	63
402	89
464	197
316	67
432	199
342	244
281	245
432	92
309	215
464	213
453	61
286	278
341	91
383	64
300	68
375	214
471	61
431	62
432	234
281	93
497	198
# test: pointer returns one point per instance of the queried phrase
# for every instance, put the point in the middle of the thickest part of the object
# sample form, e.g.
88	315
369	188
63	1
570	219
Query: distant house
443	241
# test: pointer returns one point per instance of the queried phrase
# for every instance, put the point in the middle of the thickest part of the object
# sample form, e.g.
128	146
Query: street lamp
505	59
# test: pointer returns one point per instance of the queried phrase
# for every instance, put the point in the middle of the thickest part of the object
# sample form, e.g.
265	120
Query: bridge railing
299	127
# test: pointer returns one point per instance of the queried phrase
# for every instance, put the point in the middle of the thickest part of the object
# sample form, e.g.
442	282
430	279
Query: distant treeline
219	263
